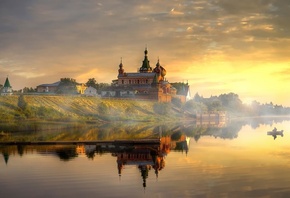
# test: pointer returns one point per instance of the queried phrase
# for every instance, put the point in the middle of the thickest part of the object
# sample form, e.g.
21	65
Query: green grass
76	108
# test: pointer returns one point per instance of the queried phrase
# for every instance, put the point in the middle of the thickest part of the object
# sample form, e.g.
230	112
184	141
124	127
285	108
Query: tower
121	70
159	70
7	89
145	68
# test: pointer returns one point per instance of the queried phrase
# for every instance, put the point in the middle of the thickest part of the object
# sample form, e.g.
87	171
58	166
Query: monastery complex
146	84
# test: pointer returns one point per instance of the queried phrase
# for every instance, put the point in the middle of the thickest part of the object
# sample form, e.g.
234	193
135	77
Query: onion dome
121	70
159	69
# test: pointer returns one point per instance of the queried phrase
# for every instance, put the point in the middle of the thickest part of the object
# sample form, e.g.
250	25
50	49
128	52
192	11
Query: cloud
72	38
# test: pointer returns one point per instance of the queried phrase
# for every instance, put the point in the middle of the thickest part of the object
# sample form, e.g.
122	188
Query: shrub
162	108
103	108
22	104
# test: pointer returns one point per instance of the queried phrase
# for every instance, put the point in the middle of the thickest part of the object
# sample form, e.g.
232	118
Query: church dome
159	69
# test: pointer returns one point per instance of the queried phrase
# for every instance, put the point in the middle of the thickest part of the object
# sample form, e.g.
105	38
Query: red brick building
147	83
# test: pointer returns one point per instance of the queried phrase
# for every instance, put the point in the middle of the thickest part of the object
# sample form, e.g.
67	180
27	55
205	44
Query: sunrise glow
216	46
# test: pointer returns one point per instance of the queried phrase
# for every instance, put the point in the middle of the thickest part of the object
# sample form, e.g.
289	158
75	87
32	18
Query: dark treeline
68	86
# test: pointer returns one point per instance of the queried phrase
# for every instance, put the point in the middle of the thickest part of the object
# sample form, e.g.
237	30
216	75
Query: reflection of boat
275	133
3	134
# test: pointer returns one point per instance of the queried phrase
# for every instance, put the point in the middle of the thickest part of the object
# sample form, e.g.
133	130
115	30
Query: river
234	159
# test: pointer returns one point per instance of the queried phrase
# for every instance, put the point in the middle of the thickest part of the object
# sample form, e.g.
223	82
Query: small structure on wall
7	88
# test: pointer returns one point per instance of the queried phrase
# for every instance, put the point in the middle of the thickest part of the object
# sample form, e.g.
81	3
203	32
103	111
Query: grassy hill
90	109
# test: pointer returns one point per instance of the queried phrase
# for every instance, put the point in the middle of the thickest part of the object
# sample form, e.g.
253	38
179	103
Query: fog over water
235	159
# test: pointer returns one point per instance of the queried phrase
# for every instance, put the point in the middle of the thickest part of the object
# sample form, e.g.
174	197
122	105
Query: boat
275	132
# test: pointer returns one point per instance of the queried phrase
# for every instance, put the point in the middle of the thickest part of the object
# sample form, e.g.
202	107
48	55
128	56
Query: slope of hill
64	108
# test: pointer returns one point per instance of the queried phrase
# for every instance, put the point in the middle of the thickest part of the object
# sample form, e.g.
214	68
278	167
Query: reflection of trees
52	131
229	132
256	122
20	149
66	154
90	154
176	135
181	146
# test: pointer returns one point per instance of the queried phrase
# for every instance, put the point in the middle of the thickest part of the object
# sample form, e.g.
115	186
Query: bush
130	110
193	107
47	112
103	108
22	104
162	108
177	102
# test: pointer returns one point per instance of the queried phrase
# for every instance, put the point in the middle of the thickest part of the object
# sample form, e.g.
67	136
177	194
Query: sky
217	46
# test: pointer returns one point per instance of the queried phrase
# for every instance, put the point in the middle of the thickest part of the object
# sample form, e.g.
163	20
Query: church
7	89
147	83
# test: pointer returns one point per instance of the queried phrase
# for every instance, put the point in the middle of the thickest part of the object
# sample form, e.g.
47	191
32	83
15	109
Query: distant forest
232	104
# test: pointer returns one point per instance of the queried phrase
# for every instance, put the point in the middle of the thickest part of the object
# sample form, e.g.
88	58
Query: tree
101	86
181	88
215	106
28	90
193	107
67	86
92	83
197	98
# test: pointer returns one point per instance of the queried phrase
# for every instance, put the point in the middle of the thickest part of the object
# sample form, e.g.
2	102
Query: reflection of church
148	156
145	159
168	143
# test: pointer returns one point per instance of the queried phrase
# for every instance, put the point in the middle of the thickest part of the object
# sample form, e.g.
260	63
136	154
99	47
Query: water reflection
147	155
188	160
46	131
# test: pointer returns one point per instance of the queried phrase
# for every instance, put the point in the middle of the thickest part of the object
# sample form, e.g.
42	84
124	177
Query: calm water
238	159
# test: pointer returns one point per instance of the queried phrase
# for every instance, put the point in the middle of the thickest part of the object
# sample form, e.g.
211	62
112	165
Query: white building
90	91
7	89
